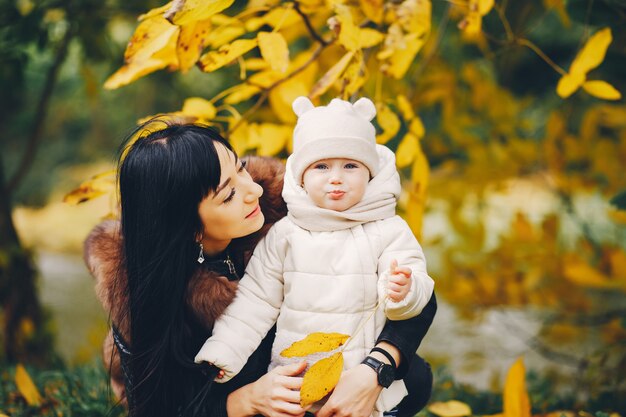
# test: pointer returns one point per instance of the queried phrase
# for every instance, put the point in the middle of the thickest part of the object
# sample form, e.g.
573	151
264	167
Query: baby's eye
320	166
351	165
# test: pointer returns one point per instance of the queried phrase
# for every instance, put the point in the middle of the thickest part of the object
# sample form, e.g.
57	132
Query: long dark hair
163	176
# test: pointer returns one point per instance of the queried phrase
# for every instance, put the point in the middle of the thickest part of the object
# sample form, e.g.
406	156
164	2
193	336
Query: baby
328	264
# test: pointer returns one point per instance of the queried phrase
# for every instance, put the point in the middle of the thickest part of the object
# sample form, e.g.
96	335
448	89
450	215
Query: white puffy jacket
307	281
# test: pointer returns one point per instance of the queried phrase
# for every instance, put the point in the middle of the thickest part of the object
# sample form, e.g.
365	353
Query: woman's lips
254	212
336	195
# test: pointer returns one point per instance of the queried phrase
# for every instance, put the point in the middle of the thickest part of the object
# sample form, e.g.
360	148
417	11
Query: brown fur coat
208	293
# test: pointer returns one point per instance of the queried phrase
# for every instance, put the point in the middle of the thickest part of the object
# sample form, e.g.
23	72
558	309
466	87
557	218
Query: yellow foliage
515	399
26	387
199	107
320	379
388	121
602	89
274	50
331	76
407	150
373	9
315	342
268	138
191	41
96	186
451	408
581	273
589	57
213	60
183	12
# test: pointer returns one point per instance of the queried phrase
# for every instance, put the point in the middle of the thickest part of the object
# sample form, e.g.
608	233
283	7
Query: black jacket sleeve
407	335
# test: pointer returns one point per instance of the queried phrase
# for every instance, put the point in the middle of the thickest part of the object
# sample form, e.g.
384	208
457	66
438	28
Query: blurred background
522	221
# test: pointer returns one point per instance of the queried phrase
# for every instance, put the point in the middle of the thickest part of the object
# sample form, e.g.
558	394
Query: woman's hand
355	394
275	394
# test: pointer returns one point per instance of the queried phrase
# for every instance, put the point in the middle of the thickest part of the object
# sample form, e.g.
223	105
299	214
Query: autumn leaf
589	57
183	12
213	60
96	186
274	50
388	121
416	205
26	387
268	138
331	76
579	272
191	41
602	89
314	343
451	408
373	9
515	398
407	149
199	107
320	379
241	93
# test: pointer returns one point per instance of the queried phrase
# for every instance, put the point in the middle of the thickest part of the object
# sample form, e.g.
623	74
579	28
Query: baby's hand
399	282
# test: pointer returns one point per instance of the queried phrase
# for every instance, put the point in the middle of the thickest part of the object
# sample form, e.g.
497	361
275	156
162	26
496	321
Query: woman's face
233	210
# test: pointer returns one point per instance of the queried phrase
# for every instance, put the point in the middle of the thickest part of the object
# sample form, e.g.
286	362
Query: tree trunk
24	336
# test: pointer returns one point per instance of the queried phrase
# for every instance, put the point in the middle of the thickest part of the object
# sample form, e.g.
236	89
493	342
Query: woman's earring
201	256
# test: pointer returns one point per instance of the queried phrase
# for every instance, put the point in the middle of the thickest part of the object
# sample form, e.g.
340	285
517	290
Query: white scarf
378	202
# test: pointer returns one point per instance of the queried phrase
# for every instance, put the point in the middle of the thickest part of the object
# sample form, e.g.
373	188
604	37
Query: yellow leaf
268	138
150	36
155	12
602	89
373	9
238	138
348	31
199	107
389	122
484	6
227	53
450	409
369	37
399	59
406	108
420	174
26	387
407	149
226	29
331	76
191	41
581	273
592	53
417	128
274	50
618	263
129	73
515	398
569	83
94	187
320	379
354	76
183	12
314	343
241	93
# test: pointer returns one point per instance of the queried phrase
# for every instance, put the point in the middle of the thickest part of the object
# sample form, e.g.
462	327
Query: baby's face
336	183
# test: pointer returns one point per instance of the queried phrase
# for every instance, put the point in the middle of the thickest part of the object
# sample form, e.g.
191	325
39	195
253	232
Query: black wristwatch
386	373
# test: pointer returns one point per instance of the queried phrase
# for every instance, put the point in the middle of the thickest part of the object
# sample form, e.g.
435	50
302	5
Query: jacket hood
378	202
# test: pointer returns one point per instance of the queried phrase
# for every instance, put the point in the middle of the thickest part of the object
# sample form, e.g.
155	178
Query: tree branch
40	114
309	27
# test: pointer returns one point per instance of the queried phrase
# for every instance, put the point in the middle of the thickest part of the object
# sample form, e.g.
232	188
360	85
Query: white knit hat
339	130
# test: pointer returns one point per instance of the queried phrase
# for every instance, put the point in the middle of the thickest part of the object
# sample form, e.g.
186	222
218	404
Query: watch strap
386	354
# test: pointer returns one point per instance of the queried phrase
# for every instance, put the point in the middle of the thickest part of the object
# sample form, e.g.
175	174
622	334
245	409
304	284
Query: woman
190	218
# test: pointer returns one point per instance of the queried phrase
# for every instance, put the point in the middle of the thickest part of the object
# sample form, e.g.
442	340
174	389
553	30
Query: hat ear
301	105
365	108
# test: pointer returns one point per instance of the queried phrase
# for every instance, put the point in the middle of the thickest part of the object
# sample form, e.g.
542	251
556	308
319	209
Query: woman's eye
243	166
230	196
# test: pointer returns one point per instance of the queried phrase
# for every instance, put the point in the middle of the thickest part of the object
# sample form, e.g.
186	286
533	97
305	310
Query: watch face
386	375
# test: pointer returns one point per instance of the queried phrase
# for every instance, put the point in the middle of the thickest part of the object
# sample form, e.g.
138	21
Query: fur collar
208	293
